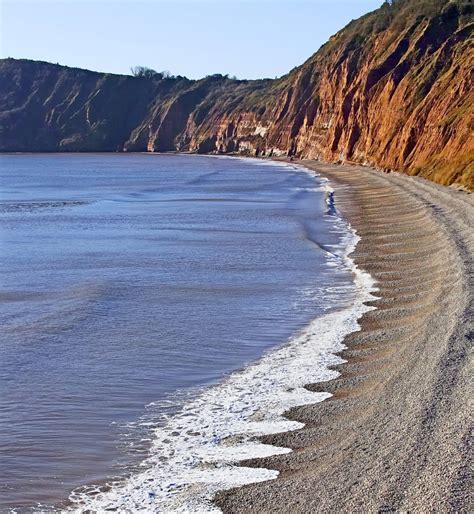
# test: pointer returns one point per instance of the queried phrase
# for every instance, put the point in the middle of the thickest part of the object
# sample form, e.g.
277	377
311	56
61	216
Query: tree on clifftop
144	72
148	73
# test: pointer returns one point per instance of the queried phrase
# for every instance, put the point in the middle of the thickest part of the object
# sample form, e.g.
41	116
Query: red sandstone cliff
393	89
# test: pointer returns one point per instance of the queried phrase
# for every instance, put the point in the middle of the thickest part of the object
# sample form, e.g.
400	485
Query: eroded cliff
394	89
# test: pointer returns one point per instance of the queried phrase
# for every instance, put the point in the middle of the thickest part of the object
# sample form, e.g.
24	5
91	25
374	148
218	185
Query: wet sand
396	434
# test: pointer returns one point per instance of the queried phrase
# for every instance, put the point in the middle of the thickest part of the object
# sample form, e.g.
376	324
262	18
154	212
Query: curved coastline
395	434
389	426
249	403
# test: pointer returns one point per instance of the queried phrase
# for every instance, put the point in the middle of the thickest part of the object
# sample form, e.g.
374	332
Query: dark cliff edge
393	89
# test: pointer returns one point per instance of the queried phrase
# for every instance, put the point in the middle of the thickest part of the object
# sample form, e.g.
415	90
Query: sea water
159	312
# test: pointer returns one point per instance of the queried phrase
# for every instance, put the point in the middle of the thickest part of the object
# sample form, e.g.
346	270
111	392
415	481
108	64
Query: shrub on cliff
148	73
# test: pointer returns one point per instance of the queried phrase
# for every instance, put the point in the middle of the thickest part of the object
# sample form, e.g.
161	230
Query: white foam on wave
196	453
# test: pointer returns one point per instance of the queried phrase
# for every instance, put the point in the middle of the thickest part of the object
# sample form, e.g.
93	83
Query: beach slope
395	436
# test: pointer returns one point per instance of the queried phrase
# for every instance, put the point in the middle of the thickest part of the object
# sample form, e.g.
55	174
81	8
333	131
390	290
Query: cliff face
391	90
394	89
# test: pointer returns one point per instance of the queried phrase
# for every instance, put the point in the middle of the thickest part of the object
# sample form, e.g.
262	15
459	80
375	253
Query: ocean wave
196	452
35	206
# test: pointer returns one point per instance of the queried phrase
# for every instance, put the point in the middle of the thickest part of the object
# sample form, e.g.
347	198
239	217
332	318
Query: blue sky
246	38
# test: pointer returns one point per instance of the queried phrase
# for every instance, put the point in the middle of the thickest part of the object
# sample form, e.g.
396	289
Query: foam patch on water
197	451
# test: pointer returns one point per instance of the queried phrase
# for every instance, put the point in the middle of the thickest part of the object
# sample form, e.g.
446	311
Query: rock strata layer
393	89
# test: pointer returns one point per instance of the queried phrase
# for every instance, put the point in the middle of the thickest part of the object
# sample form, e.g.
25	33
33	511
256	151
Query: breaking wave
196	452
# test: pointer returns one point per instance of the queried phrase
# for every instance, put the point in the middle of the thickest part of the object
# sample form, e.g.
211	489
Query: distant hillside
393	89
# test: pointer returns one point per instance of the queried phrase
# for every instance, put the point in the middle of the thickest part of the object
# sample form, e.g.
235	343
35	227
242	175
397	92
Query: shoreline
277	377
402	380
395	434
